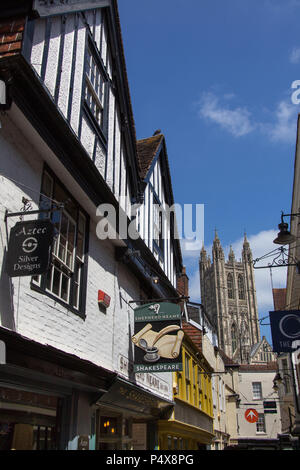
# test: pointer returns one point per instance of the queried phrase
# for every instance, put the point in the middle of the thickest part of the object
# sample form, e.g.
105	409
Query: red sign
251	415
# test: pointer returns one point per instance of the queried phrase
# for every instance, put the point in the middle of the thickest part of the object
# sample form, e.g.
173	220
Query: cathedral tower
228	295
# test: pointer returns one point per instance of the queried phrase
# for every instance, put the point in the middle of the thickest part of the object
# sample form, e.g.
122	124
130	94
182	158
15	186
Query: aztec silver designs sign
157	338
29	248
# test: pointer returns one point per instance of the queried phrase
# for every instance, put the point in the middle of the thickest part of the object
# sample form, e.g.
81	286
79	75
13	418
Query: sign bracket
22	213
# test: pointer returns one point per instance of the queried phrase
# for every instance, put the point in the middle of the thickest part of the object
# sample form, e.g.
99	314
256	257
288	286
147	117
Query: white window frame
261	424
255	386
94	92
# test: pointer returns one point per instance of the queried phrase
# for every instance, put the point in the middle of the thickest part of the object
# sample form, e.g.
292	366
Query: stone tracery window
241	287
230	286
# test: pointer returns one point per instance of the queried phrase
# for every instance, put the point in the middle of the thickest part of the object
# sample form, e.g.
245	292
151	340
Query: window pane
257	391
260	424
56	281
187	367
49	278
65	288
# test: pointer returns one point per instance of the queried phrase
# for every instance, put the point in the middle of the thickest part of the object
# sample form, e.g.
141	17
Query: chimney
183	283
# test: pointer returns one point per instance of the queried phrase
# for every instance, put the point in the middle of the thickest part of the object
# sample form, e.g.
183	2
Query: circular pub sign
251	415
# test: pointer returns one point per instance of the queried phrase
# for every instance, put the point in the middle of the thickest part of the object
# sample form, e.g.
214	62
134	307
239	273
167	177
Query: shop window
108	426
43	438
169	443
65	277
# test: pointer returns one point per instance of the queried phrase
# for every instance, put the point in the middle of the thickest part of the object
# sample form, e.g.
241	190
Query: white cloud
236	121
280	126
283	128
295	55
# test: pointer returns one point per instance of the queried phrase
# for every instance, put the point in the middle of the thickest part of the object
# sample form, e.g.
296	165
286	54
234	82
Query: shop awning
126	396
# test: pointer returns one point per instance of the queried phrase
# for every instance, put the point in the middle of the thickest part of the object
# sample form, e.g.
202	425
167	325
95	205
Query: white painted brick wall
100	337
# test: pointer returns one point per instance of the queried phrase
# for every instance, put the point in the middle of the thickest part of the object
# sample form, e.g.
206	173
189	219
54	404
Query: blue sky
216	78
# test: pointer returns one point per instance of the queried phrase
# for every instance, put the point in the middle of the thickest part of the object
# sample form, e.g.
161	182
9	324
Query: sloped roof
193	333
146	151
279	298
270	366
227	360
256	346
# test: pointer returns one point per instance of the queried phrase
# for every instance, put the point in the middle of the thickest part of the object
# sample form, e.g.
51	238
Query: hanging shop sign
285	329
29	248
157	338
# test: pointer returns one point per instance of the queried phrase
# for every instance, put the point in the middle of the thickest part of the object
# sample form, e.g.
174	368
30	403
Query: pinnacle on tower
203	254
246	243
217	248
231	256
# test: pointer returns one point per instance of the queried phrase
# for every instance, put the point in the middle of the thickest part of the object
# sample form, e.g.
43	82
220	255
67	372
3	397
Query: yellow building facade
190	426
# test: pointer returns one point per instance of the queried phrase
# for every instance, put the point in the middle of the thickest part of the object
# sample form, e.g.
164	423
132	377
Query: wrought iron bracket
280	257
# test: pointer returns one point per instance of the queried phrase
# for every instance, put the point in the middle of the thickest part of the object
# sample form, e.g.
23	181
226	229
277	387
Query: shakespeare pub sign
157	338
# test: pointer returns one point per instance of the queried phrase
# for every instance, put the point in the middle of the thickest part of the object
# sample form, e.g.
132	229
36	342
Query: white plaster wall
88	138
53	54
273	421
38	45
64	89
78	76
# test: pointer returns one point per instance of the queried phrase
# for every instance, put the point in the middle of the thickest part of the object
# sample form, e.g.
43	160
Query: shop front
28	420
46	396
187	429
127	417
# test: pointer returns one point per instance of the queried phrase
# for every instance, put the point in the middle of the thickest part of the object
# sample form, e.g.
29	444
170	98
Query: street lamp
284	237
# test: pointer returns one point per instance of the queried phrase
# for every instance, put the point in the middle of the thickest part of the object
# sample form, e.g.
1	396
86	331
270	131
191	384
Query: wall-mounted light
284	236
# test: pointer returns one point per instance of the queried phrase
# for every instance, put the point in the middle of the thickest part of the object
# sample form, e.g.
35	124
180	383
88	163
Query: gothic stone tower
229	297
